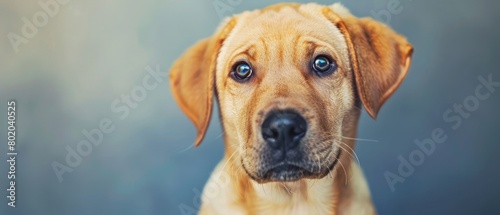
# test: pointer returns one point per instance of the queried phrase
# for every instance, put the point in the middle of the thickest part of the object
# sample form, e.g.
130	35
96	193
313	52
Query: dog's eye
241	71
323	65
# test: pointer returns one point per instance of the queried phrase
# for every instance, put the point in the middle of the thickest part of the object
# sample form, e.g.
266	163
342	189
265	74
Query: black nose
283	129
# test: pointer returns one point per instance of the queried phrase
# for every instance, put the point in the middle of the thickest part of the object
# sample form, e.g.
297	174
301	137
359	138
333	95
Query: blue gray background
91	52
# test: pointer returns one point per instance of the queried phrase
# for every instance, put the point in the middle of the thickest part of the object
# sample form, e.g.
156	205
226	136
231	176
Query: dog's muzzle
283	131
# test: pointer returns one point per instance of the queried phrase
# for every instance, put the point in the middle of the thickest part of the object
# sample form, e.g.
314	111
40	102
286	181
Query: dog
290	81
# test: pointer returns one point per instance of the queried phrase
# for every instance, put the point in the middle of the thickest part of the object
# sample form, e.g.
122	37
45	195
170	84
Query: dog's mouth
289	172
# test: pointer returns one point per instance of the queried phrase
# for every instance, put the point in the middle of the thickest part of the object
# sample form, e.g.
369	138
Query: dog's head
290	80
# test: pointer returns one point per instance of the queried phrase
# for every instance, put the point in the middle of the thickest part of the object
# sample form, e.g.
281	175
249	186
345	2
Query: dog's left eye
241	71
323	65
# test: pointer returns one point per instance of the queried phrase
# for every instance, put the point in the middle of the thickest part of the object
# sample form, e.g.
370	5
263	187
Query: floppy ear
192	79
380	57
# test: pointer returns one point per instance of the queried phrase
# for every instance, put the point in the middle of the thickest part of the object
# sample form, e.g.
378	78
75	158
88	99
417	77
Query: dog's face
284	84
288	79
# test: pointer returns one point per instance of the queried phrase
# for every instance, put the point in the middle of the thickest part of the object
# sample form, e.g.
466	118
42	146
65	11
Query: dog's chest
297	208
311	197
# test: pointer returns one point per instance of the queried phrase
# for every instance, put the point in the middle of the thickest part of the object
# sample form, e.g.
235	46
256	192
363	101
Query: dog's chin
287	172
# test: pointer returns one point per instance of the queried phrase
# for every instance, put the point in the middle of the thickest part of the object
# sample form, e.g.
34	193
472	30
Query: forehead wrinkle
294	52
249	52
264	45
319	42
281	53
247	49
309	51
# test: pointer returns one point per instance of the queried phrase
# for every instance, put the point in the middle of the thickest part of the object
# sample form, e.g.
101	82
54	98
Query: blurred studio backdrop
82	67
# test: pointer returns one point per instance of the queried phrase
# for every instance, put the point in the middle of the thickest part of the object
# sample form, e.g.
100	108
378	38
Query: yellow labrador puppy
290	81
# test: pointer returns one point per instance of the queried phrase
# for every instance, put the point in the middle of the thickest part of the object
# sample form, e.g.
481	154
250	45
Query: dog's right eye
241	71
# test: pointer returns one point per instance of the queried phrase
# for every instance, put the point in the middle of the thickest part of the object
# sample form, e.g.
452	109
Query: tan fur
279	41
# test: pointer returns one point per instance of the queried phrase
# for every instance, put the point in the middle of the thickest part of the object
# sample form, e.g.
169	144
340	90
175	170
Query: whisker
286	188
360	139
328	134
228	160
328	158
313	183
353	156
319	169
186	149
319	162
220	135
